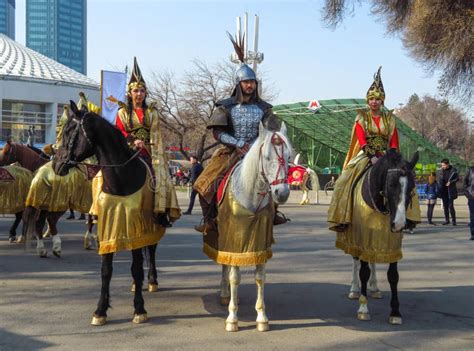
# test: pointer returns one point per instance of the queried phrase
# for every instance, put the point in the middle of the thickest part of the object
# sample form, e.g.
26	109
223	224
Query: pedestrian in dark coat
196	170
447	178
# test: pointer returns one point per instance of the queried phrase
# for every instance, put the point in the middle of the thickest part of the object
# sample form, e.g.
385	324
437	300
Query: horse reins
275	140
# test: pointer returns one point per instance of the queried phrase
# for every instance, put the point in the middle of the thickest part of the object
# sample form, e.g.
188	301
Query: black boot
279	217
430	214
209	213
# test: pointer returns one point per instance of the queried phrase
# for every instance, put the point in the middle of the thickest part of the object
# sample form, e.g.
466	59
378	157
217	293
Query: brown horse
27	158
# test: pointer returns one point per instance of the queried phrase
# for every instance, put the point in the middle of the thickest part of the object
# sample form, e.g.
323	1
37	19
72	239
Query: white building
33	91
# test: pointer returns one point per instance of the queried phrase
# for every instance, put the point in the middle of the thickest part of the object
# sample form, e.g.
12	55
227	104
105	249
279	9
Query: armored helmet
244	72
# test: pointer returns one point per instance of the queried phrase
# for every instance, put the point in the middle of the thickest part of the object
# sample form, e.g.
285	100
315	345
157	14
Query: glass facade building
58	29
7	18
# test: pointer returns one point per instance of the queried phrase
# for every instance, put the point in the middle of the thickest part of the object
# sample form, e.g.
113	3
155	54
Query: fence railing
27	118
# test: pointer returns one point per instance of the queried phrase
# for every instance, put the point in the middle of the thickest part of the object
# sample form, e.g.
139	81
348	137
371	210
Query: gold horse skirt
244	238
125	222
369	236
55	193
13	192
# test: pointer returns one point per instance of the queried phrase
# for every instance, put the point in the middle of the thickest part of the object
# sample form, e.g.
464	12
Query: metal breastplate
245	121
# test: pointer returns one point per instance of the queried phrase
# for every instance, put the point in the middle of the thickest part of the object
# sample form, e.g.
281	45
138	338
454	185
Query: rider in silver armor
235	124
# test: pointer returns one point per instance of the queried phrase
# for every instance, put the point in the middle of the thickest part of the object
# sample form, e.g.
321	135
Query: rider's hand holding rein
244	149
139	144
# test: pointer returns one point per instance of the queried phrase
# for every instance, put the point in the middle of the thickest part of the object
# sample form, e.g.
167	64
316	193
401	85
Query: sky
304	60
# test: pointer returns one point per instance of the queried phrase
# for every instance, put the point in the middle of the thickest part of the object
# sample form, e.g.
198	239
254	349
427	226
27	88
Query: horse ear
283	129
74	109
414	160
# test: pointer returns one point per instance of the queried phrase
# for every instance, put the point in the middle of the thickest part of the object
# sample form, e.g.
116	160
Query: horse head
275	152
76	144
398	182
7	154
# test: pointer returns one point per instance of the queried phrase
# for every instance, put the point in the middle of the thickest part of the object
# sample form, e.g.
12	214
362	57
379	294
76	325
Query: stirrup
280	218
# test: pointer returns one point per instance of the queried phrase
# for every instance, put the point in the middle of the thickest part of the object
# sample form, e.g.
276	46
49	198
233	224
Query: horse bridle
75	133
276	140
384	192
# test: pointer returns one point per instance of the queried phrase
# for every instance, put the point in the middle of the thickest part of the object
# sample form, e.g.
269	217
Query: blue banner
113	89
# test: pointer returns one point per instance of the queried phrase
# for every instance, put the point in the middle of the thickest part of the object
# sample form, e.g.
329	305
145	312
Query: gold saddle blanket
244	238
125	222
14	188
55	193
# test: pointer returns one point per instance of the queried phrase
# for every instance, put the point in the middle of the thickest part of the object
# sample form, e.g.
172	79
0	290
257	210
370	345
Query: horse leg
152	274
89	237
14	226
39	225
231	323
354	293
392	275
140	315
364	274
52	221
262	319
100	315
305	198
375	292
225	289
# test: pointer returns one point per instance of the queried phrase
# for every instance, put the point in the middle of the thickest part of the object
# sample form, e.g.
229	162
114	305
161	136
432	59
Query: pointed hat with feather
244	72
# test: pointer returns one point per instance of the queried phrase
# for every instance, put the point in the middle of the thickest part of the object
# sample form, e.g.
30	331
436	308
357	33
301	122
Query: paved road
48	303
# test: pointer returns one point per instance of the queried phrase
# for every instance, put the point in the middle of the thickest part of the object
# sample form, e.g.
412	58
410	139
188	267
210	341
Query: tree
186	104
446	127
437	33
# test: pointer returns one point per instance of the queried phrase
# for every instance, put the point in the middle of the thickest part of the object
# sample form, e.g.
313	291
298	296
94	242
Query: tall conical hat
136	80
376	90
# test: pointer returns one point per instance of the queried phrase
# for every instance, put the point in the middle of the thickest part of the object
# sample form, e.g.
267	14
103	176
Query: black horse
380	203
86	134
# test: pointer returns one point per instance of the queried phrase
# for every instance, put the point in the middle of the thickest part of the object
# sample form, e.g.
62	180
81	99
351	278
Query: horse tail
29	224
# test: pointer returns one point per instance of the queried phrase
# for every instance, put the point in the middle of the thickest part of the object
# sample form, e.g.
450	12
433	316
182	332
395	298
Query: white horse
310	182
256	184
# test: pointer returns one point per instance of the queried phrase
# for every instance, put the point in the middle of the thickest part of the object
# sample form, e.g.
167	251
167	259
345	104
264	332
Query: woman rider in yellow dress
374	132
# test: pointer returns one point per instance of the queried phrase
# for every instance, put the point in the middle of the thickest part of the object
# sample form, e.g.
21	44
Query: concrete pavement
48	303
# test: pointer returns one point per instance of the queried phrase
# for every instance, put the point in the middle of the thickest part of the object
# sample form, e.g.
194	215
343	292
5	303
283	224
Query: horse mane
112	133
250	163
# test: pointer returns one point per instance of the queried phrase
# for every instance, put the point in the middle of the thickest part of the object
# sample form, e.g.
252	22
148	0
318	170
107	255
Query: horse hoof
363	316
12	239
20	239
395	320
353	295
57	253
47	234
225	301
263	326
98	321
140	318
376	294
43	253
152	287
231	326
